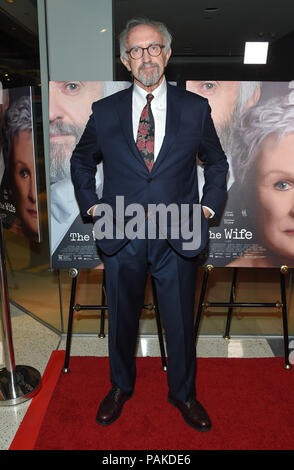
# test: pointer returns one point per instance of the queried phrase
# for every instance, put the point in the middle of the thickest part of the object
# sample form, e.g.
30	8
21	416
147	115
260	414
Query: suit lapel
171	128
173	113
126	120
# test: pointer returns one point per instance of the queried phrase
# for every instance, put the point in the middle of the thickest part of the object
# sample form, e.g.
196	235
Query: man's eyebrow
74	81
150	44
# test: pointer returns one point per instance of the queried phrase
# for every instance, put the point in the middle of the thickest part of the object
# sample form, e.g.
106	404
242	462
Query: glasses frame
145	49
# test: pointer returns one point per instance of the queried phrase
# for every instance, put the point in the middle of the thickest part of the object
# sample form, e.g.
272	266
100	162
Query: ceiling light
103	30
255	52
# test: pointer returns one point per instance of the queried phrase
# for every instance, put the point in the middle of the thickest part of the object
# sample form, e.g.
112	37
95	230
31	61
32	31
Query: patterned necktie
145	136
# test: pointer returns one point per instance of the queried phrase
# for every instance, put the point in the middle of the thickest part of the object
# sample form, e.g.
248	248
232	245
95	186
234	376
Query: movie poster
255	124
18	187
72	240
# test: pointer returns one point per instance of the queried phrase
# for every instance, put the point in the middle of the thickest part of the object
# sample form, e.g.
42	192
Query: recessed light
103	30
255	52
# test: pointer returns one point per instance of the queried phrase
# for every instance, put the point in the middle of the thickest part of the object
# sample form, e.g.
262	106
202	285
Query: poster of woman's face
255	124
275	196
19	189
264	168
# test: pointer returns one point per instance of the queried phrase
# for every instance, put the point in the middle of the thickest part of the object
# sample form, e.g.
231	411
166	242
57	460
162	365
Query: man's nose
146	56
55	106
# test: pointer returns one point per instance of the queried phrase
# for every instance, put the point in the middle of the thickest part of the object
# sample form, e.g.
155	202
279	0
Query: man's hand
207	212
92	210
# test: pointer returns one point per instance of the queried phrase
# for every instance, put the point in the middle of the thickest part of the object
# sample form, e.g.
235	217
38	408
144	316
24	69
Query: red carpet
250	402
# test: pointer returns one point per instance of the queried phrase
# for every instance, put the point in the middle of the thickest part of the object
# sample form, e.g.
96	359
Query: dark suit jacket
108	136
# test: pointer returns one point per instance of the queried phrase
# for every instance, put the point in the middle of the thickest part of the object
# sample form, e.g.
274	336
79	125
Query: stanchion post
283	272
73	273
232	300
207	270
159	327
102	317
17	383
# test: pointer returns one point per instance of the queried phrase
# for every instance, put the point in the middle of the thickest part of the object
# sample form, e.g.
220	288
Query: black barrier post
159	328
207	270
17	383
232	304
103	300
73	272
232	299
283	271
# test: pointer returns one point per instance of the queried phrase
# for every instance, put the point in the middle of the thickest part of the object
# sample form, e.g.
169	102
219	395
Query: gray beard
226	131
59	162
60	154
150	79
225	135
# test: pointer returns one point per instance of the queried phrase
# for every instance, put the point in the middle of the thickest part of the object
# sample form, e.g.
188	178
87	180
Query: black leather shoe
112	405
193	413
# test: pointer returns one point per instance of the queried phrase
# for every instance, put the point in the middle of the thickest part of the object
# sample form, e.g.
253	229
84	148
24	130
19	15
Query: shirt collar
158	93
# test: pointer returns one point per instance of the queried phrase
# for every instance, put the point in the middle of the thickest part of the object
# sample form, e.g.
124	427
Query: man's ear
254	98
167	56
125	62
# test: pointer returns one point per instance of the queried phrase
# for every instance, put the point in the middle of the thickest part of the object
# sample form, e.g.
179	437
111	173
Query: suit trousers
175	280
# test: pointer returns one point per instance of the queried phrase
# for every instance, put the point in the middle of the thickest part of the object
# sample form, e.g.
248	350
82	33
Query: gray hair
108	88
245	92
275	117
18	118
167	37
226	129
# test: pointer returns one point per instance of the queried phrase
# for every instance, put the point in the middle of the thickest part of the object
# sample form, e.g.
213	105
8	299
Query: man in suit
147	167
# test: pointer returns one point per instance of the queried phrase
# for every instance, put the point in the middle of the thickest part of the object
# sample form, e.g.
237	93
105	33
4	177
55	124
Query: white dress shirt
158	107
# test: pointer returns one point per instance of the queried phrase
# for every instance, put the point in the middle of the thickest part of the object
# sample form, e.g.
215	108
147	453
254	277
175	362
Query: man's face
226	102
69	110
275	194
147	71
222	97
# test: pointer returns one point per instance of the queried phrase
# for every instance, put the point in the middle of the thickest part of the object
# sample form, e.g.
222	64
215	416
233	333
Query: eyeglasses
137	52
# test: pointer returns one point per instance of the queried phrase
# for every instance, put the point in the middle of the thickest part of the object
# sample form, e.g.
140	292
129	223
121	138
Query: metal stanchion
17	383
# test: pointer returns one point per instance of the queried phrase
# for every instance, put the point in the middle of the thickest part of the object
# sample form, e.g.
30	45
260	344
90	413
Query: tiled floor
33	343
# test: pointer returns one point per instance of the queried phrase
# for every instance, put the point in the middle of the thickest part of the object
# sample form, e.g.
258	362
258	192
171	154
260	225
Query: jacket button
149	180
